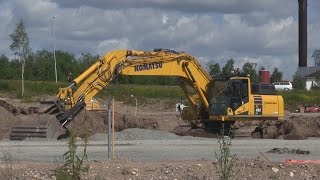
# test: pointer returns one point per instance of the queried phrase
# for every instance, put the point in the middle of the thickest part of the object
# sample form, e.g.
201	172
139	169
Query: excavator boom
137	63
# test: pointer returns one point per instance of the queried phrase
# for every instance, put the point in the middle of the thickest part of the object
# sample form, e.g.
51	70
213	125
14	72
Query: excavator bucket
37	126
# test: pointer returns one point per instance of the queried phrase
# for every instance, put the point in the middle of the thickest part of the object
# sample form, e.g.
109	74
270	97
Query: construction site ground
145	148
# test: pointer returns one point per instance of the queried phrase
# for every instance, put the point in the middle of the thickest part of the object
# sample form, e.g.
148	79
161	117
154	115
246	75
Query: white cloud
263	31
112	44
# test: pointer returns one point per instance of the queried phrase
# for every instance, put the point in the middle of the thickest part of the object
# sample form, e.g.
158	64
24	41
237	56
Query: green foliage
298	82
147	80
214	68
33	88
300	97
276	75
85	61
225	159
20	41
73	166
4	86
250	69
124	92
229	67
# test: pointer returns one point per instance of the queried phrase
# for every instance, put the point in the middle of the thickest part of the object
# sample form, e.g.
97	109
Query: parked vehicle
282	86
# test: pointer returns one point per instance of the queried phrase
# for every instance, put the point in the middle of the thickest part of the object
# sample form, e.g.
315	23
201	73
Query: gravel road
149	145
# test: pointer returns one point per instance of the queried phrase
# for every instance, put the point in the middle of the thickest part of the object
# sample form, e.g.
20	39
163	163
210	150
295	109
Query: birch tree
20	47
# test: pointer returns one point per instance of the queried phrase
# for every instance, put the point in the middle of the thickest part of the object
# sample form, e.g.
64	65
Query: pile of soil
96	121
296	127
148	117
92	122
7	120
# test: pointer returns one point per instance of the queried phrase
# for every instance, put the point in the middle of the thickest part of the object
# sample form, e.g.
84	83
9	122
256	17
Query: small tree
20	47
276	75
229	67
250	69
214	68
298	81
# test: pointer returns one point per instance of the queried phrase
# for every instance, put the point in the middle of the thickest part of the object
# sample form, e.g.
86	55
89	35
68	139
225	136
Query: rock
274	169
133	173
134	169
291	174
281	166
167	172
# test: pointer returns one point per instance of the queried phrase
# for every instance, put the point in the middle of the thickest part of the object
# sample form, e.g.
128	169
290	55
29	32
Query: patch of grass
73	165
300	97
32	88
143	93
4	86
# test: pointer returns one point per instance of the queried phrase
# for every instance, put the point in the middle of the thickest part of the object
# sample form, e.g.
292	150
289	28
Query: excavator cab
232	99
227	92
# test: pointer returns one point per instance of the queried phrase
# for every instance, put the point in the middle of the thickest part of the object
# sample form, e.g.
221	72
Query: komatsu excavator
215	100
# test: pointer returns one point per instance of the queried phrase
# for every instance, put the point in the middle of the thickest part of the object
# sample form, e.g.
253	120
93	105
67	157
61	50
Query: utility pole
54	50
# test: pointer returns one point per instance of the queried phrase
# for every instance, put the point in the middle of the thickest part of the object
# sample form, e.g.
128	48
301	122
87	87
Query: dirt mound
295	128
144	117
17	110
7	119
302	128
96	122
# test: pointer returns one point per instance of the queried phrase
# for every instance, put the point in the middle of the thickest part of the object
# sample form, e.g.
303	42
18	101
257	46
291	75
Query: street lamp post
54	50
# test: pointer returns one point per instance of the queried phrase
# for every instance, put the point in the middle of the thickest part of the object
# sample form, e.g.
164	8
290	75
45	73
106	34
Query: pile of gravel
137	134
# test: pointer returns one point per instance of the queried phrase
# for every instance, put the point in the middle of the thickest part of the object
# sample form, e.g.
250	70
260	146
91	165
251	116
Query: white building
310	73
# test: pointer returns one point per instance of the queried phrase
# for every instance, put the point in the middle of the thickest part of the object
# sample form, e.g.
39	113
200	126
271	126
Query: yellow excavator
215	100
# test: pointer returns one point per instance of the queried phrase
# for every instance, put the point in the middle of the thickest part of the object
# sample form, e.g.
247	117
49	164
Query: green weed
225	160
73	165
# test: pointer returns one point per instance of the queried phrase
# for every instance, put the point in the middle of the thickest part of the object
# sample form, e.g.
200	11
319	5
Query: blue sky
260	31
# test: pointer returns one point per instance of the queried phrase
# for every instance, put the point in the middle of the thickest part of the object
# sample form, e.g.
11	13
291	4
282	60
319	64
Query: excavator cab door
238	93
228	93
219	101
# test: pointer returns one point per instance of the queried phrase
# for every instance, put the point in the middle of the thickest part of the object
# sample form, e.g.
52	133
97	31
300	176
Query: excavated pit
92	122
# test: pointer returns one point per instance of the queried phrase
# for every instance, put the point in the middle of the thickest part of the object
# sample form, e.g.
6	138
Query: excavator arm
136	63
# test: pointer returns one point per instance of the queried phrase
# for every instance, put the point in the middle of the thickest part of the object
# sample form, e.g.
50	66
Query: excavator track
241	133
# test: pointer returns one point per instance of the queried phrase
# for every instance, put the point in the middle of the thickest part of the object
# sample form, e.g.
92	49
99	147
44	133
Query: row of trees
247	69
39	66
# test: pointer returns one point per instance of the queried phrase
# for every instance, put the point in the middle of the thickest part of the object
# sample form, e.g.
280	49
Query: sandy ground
120	169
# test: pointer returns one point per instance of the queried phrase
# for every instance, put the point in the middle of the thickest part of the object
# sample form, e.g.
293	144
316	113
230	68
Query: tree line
248	69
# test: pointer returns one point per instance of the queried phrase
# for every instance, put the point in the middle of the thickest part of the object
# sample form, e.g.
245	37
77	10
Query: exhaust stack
303	33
